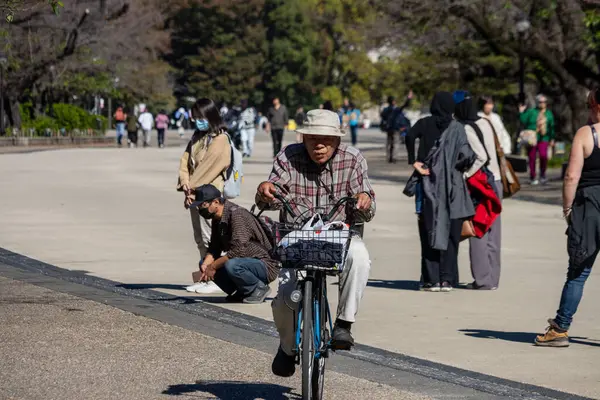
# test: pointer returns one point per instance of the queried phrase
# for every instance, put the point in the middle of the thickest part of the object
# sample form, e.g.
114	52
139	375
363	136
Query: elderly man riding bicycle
311	175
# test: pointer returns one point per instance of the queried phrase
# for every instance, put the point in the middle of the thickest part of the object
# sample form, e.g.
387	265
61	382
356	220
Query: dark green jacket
529	120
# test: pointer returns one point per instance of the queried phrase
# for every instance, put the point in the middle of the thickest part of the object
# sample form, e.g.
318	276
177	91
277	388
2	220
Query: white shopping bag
306	232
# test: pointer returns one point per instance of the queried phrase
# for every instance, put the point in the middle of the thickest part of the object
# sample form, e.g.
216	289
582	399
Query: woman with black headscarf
442	203
484	252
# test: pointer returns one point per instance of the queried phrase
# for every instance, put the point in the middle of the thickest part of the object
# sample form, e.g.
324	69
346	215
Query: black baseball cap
205	193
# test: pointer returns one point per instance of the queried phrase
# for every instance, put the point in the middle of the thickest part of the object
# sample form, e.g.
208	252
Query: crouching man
245	269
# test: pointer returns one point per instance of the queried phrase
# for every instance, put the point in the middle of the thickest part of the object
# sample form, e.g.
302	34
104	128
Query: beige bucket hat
321	122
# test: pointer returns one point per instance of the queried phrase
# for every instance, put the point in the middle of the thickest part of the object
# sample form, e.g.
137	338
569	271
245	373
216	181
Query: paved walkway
115	214
57	346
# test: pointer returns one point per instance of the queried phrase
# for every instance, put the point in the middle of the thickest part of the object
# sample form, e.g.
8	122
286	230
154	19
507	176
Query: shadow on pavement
522	337
139	286
233	390
399	285
216	299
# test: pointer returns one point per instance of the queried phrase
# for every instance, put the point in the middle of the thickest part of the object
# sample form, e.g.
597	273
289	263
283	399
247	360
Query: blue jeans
241	275
354	134
120	131
572	292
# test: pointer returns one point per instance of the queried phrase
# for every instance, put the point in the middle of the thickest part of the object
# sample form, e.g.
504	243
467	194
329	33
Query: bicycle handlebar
348	199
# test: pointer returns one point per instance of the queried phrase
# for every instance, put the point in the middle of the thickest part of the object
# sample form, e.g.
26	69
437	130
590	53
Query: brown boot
554	336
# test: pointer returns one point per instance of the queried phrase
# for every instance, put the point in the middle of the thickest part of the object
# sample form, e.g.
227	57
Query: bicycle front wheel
308	341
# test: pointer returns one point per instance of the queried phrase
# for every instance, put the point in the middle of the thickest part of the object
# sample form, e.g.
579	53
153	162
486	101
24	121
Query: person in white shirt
146	121
484	252
487	112
247	123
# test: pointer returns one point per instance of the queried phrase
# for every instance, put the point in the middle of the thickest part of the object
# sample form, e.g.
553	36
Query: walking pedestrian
299	119
353	120
120	118
392	122
161	123
484	252
247	126
132	130
278	121
541	121
205	161
442	201
581	209
146	121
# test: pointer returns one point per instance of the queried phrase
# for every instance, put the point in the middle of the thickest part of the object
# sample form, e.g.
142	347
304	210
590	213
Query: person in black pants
278	121
439	268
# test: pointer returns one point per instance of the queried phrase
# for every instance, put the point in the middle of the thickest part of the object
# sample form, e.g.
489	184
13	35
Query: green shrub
71	117
68	119
43	123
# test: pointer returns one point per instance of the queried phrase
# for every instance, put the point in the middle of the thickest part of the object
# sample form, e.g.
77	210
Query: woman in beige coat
205	160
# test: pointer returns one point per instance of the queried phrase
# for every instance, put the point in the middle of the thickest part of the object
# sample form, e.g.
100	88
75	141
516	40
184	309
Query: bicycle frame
320	306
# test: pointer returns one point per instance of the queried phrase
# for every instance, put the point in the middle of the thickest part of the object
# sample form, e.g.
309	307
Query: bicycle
318	254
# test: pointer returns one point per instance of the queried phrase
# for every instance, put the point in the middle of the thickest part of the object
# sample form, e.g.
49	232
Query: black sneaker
342	337
234	298
431	287
446	287
259	295
283	365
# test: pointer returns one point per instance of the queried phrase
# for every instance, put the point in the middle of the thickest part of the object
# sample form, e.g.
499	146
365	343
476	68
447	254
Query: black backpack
399	121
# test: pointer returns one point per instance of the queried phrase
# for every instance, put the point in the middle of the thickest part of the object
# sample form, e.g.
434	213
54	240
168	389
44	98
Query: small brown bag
468	230
510	180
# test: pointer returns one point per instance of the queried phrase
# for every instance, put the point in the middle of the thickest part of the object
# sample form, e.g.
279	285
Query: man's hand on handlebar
266	192
363	201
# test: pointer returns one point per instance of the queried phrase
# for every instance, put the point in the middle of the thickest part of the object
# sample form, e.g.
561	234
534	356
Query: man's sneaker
208	288
283	365
430	287
342	339
535	182
544	181
259	295
554	336
192	288
446	287
234	298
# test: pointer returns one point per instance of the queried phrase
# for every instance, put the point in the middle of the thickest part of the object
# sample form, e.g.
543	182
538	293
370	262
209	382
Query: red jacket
488	205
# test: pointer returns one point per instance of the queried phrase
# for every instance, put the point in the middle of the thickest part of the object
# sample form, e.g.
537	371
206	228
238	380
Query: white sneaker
197	285
535	182
208	288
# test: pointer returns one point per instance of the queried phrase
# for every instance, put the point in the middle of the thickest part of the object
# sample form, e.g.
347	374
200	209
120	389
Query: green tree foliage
218	52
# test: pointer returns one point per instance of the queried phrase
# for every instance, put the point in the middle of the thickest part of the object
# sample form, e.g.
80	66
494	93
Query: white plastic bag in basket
318	231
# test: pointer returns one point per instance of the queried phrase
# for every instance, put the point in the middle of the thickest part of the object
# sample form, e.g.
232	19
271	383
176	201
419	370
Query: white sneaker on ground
208	288
535	182
197	285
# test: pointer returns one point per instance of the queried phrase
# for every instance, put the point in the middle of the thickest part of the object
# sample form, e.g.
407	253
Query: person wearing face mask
238	259
205	161
315	173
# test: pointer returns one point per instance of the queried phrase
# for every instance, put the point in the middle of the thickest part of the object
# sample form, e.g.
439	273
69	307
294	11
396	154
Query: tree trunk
14	113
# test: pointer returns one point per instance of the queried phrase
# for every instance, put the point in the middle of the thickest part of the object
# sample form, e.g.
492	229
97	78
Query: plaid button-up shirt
240	235
307	185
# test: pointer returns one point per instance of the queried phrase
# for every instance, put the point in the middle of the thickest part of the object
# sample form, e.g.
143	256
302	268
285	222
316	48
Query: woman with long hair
205	161
581	209
484	251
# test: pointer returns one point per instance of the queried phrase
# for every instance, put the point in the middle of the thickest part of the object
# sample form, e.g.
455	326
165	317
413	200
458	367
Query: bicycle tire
308	341
318	375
